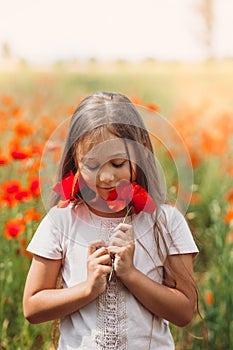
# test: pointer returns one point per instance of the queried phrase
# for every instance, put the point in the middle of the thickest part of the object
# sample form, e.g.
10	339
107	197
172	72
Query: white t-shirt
116	320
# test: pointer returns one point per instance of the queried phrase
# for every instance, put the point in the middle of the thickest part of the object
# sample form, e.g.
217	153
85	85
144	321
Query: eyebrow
113	156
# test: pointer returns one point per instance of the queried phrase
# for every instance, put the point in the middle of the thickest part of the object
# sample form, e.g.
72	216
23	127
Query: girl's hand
98	267
122	246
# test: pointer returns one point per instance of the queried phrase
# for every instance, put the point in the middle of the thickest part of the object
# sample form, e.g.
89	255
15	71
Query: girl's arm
177	304
43	302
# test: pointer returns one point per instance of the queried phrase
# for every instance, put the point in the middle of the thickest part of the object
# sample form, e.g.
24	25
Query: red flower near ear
67	188
64	188
127	193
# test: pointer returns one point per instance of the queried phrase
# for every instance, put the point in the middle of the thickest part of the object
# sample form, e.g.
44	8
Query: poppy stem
112	270
127	214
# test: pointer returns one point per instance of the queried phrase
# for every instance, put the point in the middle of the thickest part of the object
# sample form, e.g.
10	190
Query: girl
126	257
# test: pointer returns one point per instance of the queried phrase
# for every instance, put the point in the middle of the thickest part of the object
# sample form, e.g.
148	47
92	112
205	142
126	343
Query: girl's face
105	163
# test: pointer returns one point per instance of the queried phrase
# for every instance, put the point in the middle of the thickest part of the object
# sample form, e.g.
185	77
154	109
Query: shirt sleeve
180	239
46	241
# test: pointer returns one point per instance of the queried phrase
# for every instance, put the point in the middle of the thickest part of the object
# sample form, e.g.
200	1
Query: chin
102	197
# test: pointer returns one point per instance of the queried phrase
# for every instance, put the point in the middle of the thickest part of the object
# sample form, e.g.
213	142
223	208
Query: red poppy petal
67	187
64	188
138	188
22	195
126	191
144	203
112	195
139	202
19	155
142	200
58	188
123	190
117	205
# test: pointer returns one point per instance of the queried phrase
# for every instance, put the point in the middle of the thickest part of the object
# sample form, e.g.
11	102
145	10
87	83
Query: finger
120	234
94	245
100	252
123	227
107	269
104	259
113	250
119	242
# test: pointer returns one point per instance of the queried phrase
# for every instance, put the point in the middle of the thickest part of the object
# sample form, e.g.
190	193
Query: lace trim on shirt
111	317
107	227
111	306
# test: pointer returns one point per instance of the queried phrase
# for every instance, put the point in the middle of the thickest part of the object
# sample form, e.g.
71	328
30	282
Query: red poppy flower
11	186
64	188
68	187
19	155
3	160
23	195
34	186
127	193
31	214
9	200
22	129
12	192
14	228
229	216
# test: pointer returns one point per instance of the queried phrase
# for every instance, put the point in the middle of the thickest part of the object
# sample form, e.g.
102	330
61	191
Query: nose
106	174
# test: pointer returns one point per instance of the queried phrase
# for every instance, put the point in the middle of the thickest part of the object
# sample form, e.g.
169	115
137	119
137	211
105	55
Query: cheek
88	177
125	173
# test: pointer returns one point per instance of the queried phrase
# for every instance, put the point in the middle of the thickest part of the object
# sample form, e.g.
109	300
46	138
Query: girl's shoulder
56	211
167	215
169	209
61	214
69	214
170	214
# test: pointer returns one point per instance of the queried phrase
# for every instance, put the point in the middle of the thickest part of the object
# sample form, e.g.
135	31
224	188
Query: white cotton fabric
115	320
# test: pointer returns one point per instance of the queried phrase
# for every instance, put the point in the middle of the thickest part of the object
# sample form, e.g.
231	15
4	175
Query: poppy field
199	106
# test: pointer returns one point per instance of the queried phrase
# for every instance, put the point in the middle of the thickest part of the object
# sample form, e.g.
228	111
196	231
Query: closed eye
114	163
119	165
91	167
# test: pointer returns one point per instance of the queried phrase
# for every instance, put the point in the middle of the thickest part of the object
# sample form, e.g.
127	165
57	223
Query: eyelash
114	165
118	165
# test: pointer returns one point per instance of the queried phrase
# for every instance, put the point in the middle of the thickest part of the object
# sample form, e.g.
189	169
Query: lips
106	188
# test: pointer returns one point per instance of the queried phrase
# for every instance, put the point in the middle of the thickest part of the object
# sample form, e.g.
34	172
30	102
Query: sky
53	30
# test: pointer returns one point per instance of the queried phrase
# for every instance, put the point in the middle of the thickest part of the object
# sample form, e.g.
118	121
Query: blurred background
55	31
174	57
